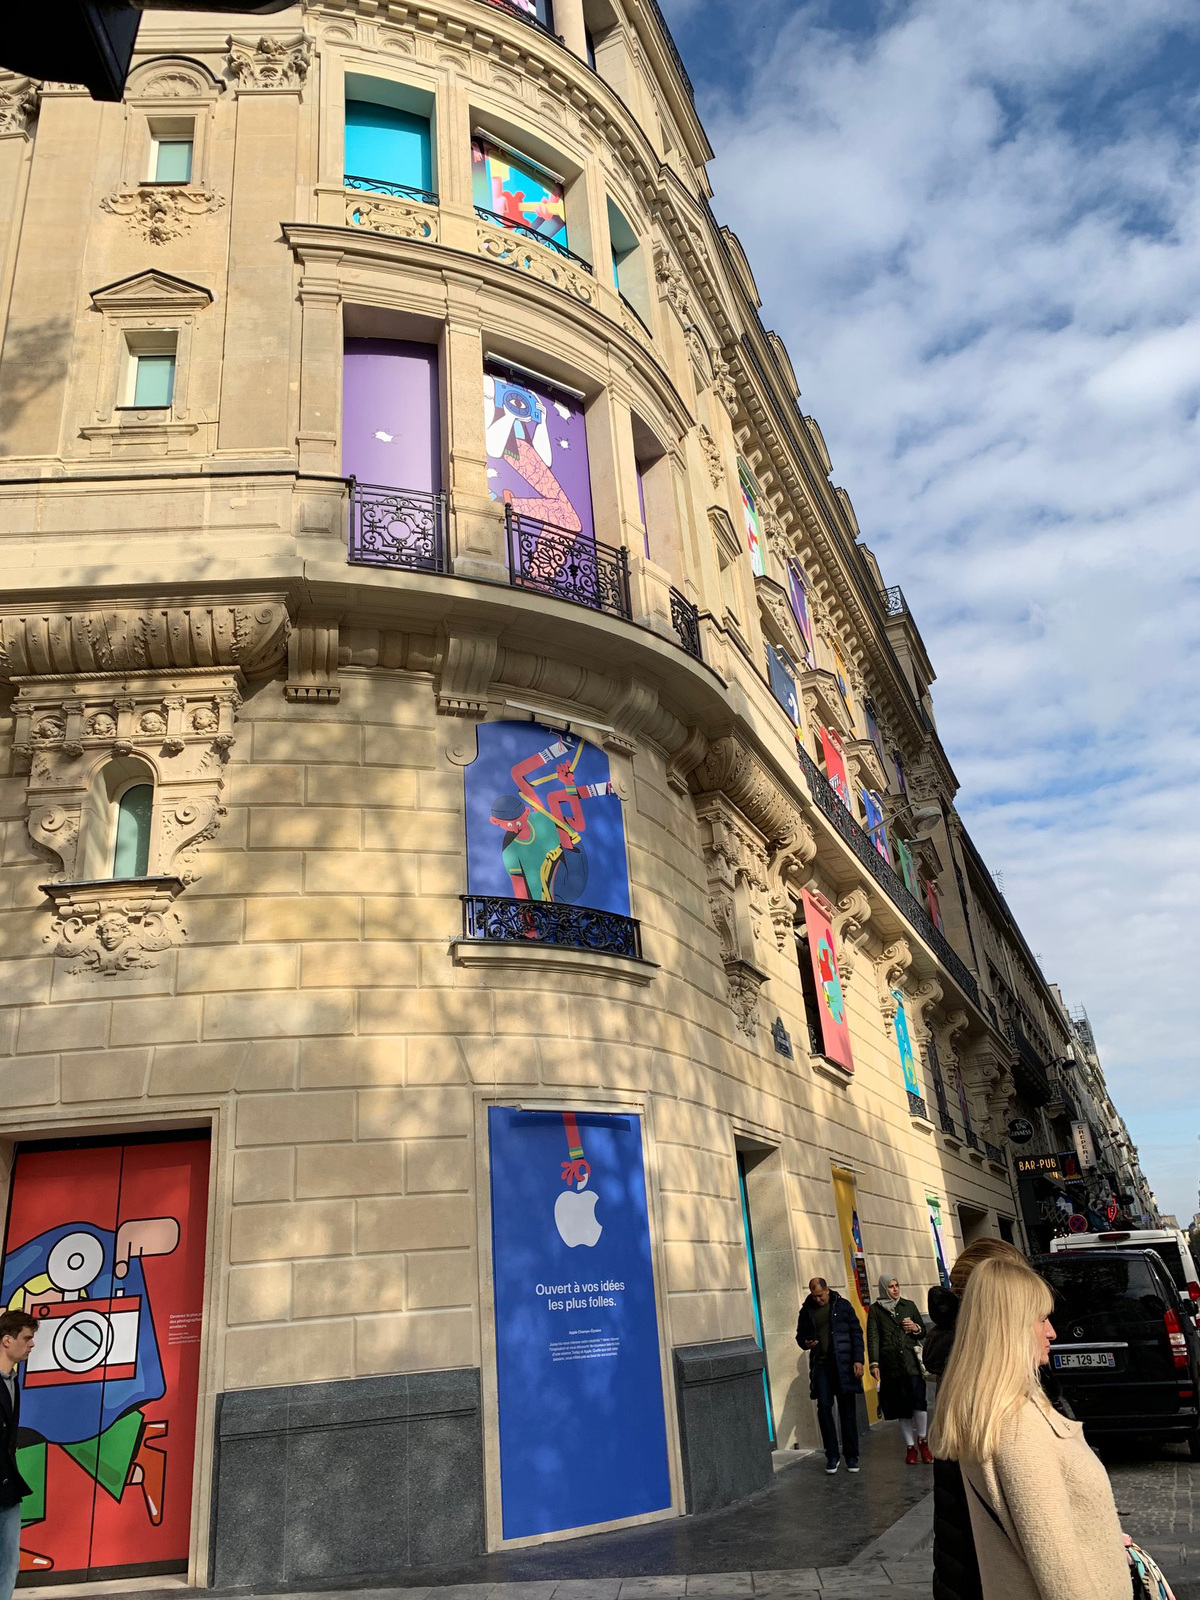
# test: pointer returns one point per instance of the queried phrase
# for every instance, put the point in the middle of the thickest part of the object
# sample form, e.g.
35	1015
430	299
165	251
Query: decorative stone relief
745	981
712	457
512	250
312	653
987	1073
160	215
399	219
108	934
270	63
891	966
674	287
18	105
467	667
724	385
130	638
849	920
736	859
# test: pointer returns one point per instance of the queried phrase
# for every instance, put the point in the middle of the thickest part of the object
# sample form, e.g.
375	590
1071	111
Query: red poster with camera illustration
105	1250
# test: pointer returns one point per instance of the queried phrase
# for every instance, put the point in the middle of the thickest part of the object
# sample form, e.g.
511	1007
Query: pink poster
835	1032
835	766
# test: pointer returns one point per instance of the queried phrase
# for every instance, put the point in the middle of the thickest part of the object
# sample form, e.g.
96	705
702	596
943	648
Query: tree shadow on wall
35	358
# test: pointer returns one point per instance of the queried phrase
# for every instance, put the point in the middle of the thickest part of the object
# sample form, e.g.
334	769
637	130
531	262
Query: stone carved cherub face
112	929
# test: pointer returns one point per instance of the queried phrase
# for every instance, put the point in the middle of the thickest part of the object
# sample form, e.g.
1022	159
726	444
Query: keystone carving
107	931
270	63
18	105
744	981
160	215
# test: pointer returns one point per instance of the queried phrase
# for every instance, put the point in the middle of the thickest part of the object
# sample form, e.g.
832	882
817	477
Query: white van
1170	1243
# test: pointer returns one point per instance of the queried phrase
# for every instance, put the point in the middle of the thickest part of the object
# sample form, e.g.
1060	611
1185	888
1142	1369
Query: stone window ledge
529	956
833	1070
922	1124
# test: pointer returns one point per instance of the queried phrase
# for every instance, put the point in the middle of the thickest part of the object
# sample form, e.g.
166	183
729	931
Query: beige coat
1061	1539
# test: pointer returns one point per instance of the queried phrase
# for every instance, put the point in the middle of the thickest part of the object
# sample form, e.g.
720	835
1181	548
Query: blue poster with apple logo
583	1436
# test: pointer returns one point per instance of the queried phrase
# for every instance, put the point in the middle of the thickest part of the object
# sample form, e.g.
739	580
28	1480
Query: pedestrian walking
955	1565
17	1329
829	1329
894	1335
1041	1506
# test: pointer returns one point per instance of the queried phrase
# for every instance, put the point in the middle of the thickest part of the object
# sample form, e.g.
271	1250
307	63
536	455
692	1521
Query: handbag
1148	1581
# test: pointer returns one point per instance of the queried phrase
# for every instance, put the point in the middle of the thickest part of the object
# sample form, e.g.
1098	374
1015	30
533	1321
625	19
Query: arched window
131	845
118	822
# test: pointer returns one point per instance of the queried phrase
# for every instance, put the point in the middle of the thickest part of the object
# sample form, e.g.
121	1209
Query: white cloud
989	295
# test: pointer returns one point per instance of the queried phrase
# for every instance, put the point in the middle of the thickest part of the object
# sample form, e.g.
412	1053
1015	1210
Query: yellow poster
857	1278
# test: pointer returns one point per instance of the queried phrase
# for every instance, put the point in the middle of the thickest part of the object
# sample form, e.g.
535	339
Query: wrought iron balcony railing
916	1106
947	1122
492	917
891	884
894	603
994	1153
399	191
971	1137
686	621
1036	1078
569	566
403	528
532	233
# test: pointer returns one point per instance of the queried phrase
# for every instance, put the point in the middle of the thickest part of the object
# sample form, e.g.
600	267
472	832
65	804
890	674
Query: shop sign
1020	1130
1085	1146
1050	1166
578	1361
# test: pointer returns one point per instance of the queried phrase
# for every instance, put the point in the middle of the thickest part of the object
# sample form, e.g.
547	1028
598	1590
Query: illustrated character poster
798	599
843	679
873	812
835	766
783	683
835	1030
846	1200
752	526
873	732
908	1063
935	1222
578	1361
105	1250
544	820
518	189
908	871
934	900
537	460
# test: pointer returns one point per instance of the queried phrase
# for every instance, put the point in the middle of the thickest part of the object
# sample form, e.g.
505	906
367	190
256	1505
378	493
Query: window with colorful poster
907	870
898	765
873	732
518	190
835	766
105	1249
798	600
783	683
537	457
544	821
939	1246
934	900
873	812
751	523
579	1372
845	1196
843	679
835	1029
908	1063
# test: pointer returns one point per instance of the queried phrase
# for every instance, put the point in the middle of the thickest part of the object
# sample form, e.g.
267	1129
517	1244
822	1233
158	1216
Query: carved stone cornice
729	767
266	63
131	637
160	215
865	765
822	699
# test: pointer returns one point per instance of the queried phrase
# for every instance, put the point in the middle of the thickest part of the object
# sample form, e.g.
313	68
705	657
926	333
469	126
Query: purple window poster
544	821
798	598
390	410
537	458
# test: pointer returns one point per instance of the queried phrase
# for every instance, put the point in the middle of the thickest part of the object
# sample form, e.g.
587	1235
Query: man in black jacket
832	1334
17	1329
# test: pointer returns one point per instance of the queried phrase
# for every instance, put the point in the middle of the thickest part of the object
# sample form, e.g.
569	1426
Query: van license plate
1085	1358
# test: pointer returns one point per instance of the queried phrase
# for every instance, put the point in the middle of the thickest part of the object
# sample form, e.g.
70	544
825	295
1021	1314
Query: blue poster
904	1044
783	683
583	1434
544	820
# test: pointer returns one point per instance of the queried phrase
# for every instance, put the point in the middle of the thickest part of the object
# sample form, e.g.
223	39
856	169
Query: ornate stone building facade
387	432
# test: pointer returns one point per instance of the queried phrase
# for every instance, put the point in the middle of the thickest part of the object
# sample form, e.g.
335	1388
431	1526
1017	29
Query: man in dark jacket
832	1334
17	1329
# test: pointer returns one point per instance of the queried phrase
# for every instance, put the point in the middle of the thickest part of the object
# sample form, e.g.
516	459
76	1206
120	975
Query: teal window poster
904	1044
583	1436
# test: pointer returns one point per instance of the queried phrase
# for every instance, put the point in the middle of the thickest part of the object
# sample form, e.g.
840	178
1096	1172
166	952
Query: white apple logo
575	1218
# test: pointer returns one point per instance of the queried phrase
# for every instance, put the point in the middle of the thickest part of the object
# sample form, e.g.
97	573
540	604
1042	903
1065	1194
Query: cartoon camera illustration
518	402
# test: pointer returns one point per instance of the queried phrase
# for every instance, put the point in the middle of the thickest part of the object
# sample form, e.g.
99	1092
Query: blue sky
977	230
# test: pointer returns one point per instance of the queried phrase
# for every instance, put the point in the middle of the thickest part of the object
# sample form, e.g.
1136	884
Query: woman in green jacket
894	1333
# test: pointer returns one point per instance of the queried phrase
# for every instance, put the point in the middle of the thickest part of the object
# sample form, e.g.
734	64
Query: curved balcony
497	919
569	566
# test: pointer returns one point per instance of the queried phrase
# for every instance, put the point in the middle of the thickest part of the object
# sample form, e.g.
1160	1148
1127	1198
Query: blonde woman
1041	1506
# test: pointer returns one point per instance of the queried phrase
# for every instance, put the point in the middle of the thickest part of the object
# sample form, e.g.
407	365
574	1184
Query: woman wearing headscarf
894	1334
1040	1503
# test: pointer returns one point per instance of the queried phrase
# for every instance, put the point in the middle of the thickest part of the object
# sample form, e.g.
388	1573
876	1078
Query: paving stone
654	1588
524	1591
719	1583
785	1582
587	1589
850	1582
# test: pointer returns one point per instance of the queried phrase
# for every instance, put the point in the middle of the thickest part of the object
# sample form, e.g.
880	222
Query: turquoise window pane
174	163
131	854
155	380
389	145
